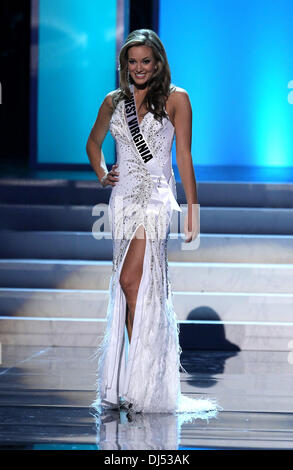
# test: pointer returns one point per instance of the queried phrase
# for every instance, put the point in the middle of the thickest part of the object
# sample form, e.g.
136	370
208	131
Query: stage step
194	335
219	248
185	276
243	320
77	218
69	191
74	303
231	287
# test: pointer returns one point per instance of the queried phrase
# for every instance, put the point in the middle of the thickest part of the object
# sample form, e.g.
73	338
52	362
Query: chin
140	82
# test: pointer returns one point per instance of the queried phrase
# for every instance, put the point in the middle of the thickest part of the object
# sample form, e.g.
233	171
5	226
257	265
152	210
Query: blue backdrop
77	62
235	59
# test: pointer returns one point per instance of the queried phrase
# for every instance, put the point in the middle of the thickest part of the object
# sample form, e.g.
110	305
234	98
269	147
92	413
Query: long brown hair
159	85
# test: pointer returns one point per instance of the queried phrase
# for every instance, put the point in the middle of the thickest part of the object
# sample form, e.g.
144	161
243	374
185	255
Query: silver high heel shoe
125	405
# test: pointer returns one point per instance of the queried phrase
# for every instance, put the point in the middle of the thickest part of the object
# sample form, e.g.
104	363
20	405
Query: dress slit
129	354
120	366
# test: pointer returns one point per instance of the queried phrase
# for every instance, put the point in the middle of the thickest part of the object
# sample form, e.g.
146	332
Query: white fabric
146	372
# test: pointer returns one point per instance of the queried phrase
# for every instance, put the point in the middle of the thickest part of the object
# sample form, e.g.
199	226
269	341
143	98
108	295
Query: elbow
89	145
92	148
184	157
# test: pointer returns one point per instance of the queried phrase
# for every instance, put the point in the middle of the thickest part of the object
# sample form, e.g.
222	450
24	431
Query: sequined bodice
135	183
158	136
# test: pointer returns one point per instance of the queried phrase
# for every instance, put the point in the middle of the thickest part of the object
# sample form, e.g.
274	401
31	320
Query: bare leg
128	323
131	273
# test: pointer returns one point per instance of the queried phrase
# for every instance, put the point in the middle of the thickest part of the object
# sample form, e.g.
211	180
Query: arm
183	129
96	138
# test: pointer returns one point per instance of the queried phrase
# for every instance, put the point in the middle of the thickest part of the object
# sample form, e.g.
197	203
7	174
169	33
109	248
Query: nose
139	68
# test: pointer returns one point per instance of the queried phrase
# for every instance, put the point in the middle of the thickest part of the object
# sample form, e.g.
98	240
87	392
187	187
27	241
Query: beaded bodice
158	136
135	184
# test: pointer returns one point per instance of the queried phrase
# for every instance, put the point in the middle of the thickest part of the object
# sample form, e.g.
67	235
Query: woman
140	371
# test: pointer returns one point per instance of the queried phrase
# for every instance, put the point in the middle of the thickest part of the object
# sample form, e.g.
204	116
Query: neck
140	88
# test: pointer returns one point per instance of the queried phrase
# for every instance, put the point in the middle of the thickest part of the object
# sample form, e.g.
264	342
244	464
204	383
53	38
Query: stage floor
46	393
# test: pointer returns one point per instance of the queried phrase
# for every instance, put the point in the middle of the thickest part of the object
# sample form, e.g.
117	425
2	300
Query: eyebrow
142	59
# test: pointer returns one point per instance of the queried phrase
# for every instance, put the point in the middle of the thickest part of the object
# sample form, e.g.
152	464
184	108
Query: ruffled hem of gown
187	409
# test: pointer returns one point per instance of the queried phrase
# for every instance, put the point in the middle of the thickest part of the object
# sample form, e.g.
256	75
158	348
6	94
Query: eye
147	61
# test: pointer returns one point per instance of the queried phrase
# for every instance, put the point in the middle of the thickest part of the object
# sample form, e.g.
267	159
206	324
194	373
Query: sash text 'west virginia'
133	125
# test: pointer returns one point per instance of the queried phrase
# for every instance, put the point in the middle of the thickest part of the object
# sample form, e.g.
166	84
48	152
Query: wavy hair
159	85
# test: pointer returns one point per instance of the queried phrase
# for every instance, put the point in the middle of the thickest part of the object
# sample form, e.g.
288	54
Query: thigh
133	263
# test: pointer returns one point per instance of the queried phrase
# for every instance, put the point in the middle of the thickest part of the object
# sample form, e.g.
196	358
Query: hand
191	223
110	178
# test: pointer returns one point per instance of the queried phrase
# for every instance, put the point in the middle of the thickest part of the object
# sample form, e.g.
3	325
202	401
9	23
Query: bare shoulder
179	96
178	100
177	89
109	99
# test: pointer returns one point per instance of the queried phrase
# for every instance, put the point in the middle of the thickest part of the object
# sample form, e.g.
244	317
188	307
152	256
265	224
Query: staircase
233	290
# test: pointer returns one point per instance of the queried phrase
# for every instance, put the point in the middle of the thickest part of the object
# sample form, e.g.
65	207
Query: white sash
160	176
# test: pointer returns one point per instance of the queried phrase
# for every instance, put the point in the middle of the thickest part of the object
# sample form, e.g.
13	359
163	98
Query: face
141	63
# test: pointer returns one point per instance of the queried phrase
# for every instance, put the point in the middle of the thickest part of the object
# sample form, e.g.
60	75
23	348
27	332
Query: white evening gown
144	374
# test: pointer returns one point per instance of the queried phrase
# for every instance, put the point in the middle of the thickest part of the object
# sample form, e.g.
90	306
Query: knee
128	284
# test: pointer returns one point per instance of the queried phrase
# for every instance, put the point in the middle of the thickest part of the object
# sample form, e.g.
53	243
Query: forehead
139	52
